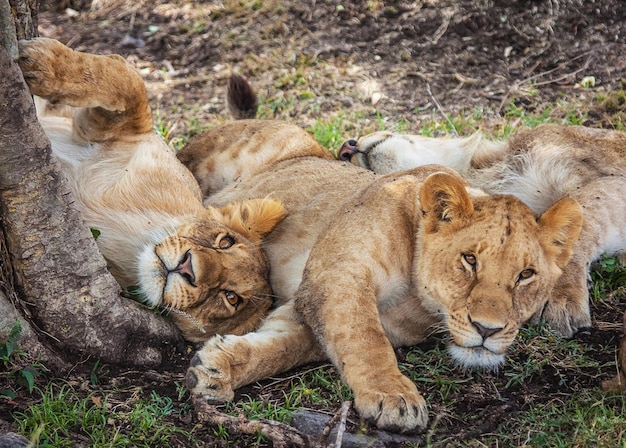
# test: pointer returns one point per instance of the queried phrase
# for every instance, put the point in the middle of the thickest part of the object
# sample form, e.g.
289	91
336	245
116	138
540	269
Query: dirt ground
405	61
401	60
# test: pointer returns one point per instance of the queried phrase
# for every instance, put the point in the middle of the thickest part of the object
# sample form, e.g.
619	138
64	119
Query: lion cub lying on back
389	260
203	263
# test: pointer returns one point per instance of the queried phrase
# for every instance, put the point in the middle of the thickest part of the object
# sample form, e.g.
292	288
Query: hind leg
110	93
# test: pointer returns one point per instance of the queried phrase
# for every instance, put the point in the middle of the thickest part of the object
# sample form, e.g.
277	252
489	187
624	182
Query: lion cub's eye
225	242
233	299
470	259
525	275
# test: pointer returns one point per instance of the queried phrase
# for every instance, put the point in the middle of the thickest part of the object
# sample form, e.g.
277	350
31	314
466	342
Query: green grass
609	279
62	414
568	408
323	387
16	370
514	116
588	418
102	418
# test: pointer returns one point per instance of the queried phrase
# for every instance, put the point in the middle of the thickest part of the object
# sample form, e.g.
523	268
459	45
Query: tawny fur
538	166
153	228
390	261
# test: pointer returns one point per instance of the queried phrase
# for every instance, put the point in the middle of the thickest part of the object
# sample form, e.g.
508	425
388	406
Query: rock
312	423
13	440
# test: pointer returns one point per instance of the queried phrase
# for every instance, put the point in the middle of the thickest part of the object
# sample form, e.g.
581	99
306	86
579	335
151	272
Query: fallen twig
345	406
446	16
280	434
440	109
341	415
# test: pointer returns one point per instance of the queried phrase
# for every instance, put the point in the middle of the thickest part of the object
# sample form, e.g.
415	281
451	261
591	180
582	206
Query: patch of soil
402	60
406	61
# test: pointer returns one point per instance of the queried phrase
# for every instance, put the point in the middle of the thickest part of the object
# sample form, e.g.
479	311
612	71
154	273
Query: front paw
395	405
210	372
563	322
567	312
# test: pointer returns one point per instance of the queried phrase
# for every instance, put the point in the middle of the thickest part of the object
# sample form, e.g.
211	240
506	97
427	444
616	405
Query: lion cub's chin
472	357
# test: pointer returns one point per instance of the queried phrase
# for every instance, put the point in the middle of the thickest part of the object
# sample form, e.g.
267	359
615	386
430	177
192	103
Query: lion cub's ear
255	217
560	227
443	197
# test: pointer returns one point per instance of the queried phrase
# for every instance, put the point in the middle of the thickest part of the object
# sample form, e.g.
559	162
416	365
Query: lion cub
204	264
538	166
389	260
440	253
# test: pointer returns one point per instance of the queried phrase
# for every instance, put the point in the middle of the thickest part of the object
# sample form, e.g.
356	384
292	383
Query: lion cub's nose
347	150
484	331
185	268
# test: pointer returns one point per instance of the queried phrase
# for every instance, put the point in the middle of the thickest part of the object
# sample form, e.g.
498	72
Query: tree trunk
25	17
65	291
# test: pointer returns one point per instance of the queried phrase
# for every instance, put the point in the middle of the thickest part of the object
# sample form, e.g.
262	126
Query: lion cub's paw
40	60
567	317
209	374
397	409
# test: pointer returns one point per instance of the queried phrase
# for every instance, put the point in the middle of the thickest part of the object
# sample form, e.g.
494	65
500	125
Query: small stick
280	434
430	92
341	429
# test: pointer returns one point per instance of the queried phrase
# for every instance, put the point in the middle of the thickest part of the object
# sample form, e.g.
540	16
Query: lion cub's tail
241	99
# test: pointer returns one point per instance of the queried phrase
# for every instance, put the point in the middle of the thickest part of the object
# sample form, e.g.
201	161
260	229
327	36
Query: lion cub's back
240	149
597	152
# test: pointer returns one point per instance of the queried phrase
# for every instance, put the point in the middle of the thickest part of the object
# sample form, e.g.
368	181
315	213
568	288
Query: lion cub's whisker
438	328
261	296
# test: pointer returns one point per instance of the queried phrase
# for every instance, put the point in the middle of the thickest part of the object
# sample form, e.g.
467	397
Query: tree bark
25	17
66	293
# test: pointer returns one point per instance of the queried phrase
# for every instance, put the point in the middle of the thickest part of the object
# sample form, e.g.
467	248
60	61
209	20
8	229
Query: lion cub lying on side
389	260
203	263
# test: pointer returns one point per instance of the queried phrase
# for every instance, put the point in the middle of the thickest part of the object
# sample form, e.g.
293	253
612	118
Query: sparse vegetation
100	421
548	393
17	371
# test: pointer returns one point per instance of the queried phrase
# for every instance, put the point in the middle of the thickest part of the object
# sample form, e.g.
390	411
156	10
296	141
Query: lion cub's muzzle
478	344
481	333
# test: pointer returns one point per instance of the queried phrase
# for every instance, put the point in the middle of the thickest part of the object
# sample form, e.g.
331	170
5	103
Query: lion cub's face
212	273
488	264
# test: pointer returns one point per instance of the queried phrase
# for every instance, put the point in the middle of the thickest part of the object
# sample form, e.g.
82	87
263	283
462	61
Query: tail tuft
240	97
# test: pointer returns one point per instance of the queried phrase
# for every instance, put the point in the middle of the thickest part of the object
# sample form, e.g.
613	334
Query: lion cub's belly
119	190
